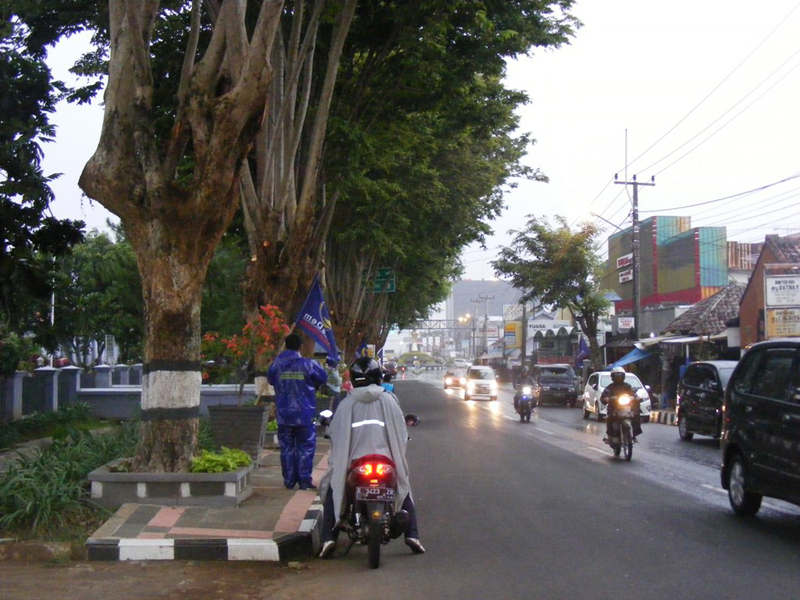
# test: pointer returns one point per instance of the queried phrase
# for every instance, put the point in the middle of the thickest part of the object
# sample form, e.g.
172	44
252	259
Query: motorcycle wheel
617	450
627	442
528	417
374	541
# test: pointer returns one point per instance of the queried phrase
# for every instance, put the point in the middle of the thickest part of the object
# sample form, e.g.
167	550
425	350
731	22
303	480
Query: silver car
481	383
599	381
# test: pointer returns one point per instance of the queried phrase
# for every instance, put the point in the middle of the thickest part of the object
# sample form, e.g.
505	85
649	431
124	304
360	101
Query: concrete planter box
112	490
239	427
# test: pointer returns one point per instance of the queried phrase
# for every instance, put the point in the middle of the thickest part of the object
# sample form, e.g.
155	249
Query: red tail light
374	469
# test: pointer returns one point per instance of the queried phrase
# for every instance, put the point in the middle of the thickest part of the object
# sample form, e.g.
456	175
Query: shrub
219	462
47	489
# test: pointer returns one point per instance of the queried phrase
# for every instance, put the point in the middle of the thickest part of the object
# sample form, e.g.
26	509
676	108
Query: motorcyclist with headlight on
617	388
525	378
368	421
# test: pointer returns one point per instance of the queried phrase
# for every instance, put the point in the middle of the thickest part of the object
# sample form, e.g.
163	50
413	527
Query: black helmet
617	374
365	371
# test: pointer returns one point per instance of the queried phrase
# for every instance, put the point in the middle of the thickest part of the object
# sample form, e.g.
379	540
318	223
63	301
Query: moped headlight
624	400
526	390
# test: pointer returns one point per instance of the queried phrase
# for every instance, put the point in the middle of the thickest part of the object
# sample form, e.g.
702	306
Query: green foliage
558	267
98	291
220	462
49	488
16	352
56	424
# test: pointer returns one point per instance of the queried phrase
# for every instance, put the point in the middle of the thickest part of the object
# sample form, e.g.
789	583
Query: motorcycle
526	403
370	490
621	414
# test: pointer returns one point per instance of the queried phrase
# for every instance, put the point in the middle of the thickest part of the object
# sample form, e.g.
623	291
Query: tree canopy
555	266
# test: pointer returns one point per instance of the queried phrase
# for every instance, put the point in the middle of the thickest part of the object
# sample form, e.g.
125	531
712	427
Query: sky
704	95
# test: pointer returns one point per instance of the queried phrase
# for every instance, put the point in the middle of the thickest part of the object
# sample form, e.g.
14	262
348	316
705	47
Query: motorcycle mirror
325	417
412	420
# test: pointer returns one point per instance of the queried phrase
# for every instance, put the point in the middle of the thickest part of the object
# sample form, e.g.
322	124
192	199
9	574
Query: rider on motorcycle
617	388
524	378
368	421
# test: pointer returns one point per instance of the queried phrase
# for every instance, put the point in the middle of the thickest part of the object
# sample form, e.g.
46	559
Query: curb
287	547
665	417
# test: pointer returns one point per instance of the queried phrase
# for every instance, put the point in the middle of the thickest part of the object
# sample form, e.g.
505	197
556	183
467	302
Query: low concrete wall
123	402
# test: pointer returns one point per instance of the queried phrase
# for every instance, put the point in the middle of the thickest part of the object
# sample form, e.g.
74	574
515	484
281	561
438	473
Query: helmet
617	374
365	371
525	369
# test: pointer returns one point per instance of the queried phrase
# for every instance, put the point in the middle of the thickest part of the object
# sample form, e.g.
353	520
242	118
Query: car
455	378
600	380
760	441
461	363
481	383
391	368
701	392
555	383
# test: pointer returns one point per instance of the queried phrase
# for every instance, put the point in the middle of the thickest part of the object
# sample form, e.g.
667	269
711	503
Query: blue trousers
298	445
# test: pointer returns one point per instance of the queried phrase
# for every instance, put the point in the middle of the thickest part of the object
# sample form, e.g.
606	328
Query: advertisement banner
783	322
513	334
782	290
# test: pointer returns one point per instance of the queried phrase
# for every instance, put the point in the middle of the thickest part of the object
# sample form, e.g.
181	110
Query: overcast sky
702	94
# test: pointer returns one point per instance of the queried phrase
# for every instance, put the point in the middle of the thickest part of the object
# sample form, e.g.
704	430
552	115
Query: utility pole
635	249
524	334
485	300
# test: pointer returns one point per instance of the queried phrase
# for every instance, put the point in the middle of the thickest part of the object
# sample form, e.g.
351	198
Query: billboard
783	322
782	290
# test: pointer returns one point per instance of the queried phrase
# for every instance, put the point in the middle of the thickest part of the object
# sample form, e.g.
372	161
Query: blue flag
583	352
315	320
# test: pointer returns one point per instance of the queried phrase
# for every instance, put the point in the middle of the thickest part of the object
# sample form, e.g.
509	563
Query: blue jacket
295	380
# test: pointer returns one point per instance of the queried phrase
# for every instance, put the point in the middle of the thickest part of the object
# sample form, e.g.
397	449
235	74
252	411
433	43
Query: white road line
600	450
713	488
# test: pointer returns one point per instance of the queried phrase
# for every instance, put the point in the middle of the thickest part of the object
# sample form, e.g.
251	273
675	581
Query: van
555	383
761	427
701	392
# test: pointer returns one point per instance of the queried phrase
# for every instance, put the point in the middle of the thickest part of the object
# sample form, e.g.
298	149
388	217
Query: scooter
526	404
620	414
370	490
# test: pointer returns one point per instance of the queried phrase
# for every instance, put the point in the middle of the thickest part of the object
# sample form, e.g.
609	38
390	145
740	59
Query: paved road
512	510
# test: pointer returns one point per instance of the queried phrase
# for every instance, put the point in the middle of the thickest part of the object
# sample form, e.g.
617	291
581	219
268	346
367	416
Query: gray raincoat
368	421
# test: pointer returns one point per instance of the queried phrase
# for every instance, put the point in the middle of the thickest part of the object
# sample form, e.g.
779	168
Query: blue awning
632	356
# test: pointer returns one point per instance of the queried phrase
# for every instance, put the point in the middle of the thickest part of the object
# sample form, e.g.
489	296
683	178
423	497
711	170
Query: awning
632	356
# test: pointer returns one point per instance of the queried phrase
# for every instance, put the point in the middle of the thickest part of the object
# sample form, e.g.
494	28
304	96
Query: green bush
56	424
43	491
219	462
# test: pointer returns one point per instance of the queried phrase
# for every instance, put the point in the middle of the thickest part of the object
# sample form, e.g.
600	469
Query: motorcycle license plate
379	494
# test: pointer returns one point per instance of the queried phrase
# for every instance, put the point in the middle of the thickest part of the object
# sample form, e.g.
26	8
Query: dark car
761	427
555	383
701	392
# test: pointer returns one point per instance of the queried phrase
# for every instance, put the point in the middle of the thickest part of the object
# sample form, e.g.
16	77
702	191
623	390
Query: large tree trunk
177	196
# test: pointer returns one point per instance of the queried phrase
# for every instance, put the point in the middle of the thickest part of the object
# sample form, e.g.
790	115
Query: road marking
713	488
600	450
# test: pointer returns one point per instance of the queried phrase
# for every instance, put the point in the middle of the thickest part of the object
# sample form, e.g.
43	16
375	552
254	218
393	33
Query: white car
599	381
481	383
460	363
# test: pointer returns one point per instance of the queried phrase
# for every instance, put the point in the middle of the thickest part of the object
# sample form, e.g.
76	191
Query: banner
583	352
315	320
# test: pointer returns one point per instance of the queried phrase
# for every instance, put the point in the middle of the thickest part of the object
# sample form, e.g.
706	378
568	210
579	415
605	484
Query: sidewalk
274	524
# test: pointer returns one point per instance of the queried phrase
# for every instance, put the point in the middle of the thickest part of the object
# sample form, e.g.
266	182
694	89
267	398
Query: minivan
555	383
761	427
701	392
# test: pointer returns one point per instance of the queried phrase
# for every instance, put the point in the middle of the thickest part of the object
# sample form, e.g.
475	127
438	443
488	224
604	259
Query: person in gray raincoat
368	421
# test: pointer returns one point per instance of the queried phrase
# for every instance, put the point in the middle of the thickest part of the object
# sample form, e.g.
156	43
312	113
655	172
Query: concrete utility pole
635	249
485	300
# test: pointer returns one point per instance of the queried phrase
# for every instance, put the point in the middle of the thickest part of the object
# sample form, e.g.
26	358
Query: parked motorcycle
526	403
621	413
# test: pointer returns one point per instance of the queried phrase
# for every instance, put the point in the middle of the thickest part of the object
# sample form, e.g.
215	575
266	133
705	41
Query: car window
480	374
774	374
724	375
692	377
593	380
747	369
706	377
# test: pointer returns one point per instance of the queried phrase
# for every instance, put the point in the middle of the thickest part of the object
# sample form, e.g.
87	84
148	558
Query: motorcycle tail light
374	469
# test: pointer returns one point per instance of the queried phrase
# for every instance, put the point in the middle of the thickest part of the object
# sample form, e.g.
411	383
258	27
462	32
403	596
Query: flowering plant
260	340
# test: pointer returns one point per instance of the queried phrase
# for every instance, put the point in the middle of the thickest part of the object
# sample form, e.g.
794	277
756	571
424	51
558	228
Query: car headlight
493	386
463	380
471	386
448	381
